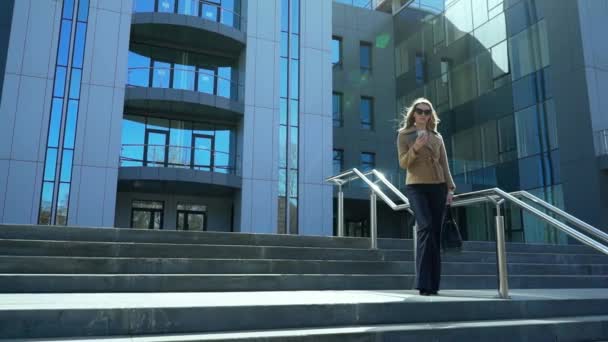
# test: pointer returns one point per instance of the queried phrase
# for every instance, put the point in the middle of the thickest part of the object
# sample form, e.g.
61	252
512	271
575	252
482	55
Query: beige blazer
428	165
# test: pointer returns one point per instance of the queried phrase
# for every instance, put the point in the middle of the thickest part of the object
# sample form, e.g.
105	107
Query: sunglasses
425	112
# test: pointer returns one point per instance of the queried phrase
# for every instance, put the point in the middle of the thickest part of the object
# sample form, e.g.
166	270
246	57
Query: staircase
130	285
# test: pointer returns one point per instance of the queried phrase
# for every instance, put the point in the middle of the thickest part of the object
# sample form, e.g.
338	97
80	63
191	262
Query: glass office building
501	74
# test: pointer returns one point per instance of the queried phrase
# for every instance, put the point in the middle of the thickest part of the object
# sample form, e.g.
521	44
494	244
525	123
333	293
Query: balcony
184	170
186	90
203	25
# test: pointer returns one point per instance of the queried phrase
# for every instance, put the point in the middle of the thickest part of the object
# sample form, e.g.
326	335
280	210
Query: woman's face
422	114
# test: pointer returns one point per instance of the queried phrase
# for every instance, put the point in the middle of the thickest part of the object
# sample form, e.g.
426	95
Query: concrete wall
219	209
258	200
98	134
25	107
315	197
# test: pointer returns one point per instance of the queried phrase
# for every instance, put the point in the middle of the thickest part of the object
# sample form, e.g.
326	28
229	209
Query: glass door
191	217
156	149
202	148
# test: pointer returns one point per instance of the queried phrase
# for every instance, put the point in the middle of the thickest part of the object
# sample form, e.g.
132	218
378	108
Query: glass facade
55	193
158	142
486	67
227	12
289	117
150	66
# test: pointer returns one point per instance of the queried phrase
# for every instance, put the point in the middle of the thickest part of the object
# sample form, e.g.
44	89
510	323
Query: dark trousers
428	201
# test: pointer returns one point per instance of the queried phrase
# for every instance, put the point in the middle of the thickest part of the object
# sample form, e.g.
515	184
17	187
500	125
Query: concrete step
161	250
578	328
103	265
89	283
106	314
164	250
34	232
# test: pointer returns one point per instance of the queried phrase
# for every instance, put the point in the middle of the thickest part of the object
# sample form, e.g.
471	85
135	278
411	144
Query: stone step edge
389	250
351	331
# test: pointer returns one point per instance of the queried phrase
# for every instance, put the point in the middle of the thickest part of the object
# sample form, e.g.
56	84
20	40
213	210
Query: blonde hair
408	119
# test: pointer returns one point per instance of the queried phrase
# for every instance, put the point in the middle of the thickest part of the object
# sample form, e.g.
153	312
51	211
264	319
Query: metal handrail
555	210
238	87
238	16
493	195
346	177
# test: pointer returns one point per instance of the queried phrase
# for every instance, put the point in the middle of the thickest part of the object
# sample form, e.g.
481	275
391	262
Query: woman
429	187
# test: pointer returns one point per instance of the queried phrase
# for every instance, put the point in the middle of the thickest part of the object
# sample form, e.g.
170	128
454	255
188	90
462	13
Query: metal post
340	211
373	219
415	240
501	254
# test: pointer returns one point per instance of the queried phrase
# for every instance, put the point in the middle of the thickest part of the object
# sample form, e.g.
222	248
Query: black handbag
451	240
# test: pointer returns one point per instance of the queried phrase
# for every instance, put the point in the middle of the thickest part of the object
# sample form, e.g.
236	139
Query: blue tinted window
81	34
337	109
294	84
293	112
366	113
365	56
206	81
75	84
295	46
50	164
64	42
139	70
46	202
55	122
61	217
283	111
66	165
283	146
183	77
368	161
70	124
162	75
224	82
420	69
285	15
166	6
83	10
144	6
188	7
293	147
295	16
68	9
338	161
293	183
60	74
336	50
284	71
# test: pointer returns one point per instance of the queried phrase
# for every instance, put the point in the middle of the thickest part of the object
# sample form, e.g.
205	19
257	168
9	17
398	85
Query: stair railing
495	196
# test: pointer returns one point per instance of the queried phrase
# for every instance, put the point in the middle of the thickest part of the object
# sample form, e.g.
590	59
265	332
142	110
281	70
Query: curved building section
191	31
179	167
208	25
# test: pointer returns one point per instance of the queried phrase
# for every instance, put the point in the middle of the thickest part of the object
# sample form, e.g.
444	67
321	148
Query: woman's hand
450	198
420	141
